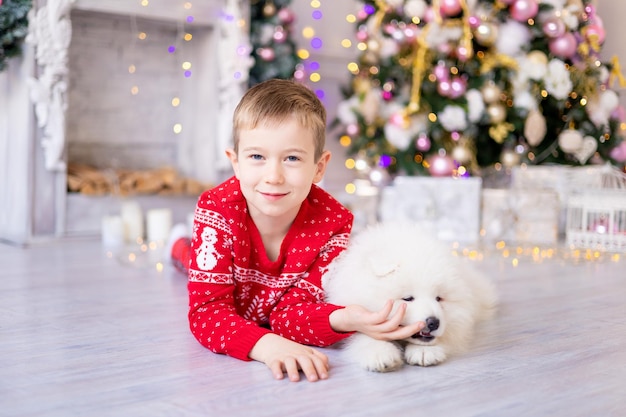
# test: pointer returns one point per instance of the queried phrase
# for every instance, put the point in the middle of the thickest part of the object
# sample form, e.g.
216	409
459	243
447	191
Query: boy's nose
274	173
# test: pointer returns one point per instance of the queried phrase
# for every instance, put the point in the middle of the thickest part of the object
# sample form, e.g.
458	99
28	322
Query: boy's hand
377	325
285	356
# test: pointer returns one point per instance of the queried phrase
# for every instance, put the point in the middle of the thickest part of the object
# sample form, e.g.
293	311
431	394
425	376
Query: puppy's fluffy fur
402	263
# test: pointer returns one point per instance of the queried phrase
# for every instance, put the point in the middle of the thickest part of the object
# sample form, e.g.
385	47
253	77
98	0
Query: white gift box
521	216
447	207
563	179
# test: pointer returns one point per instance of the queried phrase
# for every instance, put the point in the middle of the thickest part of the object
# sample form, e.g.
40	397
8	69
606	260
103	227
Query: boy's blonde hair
273	102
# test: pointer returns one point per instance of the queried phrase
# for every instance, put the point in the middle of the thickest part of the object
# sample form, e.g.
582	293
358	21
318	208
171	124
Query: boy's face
276	167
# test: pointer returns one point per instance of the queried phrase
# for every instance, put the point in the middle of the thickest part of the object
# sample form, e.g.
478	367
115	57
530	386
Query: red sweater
237	295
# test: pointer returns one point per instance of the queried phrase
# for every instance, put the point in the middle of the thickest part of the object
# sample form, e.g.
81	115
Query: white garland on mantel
50	31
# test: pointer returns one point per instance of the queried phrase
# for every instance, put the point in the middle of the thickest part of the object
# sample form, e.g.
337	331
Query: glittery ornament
553	27
486	34
441	166
491	92
450	7
563	46
535	128
497	113
509	158
522	10
269	10
461	154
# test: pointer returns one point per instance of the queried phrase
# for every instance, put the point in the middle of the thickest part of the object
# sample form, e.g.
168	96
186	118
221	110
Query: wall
612	13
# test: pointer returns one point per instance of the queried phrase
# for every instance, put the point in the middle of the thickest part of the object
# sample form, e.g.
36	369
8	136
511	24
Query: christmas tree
273	48
452	87
13	28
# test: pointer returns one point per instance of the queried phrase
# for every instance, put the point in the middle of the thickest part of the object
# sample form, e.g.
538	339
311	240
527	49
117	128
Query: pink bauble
266	54
462	53
553	27
410	32
444	88
429	15
445	48
362	35
450	7
458	87
618	153
474	21
522	10
441	72
286	15
352	129
441	166
423	143
619	113
397	119
563	46
596	31
280	35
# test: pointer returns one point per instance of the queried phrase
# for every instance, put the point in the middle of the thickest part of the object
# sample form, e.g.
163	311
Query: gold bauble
269	10
509	158
497	113
491	92
486	34
537	57
461	154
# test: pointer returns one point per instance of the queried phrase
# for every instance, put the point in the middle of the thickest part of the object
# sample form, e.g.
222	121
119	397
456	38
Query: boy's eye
256	157
293	158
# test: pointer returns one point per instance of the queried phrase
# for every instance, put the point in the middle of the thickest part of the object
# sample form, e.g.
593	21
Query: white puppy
402	263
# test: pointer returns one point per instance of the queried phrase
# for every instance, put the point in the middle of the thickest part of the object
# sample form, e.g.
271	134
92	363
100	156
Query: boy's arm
215	323
213	318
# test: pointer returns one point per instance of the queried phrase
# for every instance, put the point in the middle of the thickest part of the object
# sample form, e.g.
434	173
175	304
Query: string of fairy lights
175	49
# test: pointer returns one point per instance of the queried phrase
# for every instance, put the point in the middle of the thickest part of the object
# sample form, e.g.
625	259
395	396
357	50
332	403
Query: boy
262	240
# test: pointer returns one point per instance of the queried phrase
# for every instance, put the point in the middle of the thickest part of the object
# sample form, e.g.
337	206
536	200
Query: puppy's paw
384	357
424	355
375	355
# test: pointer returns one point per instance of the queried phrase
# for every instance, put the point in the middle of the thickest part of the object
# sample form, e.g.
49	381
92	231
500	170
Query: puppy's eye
439	299
409	298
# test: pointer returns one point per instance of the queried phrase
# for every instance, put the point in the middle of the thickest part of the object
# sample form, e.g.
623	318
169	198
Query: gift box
562	179
520	216
446	207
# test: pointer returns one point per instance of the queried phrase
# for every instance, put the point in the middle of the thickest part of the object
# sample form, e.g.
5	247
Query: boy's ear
232	156
322	163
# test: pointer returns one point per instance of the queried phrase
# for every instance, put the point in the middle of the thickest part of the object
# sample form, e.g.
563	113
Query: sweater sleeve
302	315
213	317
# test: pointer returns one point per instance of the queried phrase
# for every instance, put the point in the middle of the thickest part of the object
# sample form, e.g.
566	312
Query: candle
112	231
159	224
132	217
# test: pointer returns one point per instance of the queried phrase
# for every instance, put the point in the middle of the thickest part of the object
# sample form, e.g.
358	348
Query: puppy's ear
382	269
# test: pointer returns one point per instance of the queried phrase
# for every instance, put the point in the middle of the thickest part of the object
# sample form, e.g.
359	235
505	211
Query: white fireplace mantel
33	105
204	12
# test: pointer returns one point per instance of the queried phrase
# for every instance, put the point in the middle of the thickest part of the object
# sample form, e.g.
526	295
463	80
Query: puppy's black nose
432	323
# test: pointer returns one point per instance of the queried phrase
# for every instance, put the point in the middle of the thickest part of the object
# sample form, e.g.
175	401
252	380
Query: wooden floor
82	334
